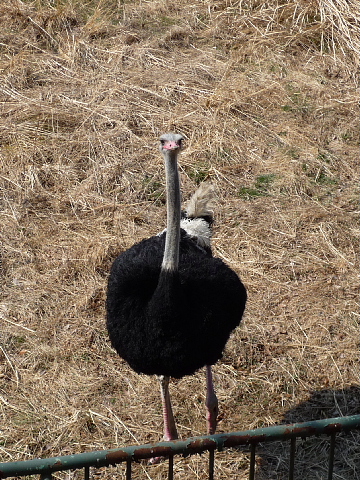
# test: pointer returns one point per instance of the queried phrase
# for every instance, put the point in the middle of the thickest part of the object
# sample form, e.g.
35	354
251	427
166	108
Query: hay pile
265	93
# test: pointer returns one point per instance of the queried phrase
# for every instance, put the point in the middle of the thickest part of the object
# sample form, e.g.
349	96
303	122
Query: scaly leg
211	402
170	432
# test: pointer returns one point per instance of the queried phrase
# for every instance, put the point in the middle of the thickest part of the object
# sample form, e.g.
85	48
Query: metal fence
211	443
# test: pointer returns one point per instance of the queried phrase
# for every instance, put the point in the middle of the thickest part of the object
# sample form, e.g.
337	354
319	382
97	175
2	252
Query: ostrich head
170	142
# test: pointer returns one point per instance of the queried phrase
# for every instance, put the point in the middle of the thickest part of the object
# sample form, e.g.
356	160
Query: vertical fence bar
86	473
252	461
211	464
331	455
128	469
171	468
292	458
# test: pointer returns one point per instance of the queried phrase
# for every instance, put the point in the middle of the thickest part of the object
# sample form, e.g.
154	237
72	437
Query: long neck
173	201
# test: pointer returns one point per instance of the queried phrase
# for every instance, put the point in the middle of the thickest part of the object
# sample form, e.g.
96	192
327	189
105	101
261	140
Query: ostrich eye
162	141
179	142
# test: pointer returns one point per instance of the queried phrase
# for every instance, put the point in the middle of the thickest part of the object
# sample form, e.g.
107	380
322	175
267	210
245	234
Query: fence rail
46	467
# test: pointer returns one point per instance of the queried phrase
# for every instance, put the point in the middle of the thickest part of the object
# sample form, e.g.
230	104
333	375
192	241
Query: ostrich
171	305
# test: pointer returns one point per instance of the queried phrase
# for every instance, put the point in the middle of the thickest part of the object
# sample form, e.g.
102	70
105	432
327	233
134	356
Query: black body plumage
172	323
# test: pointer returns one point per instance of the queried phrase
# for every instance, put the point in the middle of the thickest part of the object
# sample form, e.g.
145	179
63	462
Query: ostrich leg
170	432
211	402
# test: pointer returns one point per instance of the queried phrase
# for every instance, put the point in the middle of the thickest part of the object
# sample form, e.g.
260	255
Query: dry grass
265	93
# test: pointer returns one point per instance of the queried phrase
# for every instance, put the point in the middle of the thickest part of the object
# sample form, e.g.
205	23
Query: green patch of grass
19	339
223	154
153	189
165	21
247	193
156	24
25	418
323	179
15	342
351	137
346	136
320	175
264	181
298	102
292	152
278	69
199	173
260	188
324	157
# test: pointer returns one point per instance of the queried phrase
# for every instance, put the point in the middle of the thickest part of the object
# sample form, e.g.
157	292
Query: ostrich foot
157	460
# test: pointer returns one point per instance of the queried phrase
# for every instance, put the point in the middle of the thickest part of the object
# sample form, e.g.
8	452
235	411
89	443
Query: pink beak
171	146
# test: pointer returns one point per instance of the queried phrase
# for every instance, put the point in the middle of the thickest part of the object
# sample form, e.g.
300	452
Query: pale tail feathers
202	202
199	215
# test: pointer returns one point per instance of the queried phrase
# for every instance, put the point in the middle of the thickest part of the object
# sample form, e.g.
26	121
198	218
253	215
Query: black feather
172	323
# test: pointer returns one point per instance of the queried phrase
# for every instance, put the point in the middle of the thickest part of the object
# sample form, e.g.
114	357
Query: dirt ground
265	94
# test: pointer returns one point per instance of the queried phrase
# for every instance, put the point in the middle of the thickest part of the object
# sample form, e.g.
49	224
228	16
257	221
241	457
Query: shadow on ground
312	454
